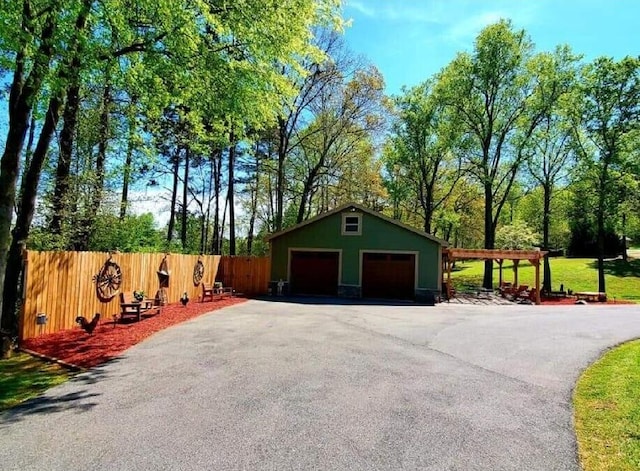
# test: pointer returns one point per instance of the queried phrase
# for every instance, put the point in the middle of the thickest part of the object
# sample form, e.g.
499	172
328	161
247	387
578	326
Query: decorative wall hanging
198	272
108	279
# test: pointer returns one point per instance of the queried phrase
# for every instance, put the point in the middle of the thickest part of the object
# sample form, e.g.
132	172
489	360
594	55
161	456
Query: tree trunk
230	197
600	224
22	97
174	195
217	188
28	153
625	258
128	163
600	211
63	168
280	192
306	191
489	236
280	183
254	203
185	196
546	283
26	207
102	148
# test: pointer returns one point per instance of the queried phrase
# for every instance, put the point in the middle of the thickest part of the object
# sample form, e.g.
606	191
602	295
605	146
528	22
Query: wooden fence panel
247	275
60	284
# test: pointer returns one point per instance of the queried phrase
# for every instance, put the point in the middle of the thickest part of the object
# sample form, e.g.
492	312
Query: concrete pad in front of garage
278	385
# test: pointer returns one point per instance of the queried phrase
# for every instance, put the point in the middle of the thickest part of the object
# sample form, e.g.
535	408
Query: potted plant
138	295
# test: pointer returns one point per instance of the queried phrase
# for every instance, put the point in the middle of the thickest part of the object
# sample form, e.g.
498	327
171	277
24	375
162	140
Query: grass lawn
578	274
23	376
607	411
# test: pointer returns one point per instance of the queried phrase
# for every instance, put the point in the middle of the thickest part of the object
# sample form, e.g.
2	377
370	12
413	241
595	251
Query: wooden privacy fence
61	284
247	275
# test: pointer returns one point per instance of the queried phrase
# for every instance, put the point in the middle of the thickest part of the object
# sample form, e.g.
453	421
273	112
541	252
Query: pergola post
536	263
515	272
500	272
449	268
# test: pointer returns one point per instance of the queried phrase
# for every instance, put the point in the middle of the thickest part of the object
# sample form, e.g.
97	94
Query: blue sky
409	40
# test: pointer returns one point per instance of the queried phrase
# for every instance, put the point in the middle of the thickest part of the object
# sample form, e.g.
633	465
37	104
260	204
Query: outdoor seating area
134	308
508	290
212	292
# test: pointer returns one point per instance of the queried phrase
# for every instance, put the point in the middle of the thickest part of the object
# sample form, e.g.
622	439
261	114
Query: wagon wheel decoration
198	272
108	280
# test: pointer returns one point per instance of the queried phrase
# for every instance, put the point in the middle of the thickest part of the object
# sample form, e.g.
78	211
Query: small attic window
351	224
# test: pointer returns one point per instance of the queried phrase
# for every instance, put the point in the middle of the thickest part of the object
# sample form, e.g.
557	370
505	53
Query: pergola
533	256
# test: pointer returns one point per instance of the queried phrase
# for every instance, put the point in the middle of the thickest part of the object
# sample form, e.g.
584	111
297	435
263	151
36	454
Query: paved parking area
275	385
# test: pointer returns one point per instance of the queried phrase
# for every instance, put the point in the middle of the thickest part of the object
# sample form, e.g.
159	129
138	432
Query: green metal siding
377	235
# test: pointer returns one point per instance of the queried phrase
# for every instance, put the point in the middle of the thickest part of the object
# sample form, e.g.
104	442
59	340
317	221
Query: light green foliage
426	150
516	236
496	98
606	129
133	234
344	120
529	208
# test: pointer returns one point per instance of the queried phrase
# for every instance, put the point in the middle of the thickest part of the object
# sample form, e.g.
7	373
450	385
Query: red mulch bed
108	341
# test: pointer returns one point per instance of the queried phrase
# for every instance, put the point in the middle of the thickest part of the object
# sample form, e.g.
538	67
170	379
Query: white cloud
361	8
461	16
467	29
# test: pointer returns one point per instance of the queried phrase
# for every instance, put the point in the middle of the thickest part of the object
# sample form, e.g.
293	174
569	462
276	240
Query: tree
320	70
516	236
427	147
549	149
344	116
496	93
237	49
605	130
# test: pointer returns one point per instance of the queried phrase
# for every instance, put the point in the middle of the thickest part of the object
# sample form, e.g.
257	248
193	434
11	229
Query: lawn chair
207	292
520	292
506	289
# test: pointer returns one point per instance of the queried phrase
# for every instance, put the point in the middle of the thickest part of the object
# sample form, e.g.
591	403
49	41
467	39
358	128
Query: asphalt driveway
278	386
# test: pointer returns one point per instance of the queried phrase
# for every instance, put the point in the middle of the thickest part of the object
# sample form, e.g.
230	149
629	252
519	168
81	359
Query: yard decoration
108	279
198	271
163	282
88	326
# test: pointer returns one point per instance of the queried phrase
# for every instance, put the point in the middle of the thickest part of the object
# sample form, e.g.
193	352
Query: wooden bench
209	291
130	307
223	290
591	296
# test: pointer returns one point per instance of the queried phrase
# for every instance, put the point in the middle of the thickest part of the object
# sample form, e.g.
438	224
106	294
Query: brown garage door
390	276
314	273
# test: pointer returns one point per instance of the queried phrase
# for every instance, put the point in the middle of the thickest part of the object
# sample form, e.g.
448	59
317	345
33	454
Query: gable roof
364	210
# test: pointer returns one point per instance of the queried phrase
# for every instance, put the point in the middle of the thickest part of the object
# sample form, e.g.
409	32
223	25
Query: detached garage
353	251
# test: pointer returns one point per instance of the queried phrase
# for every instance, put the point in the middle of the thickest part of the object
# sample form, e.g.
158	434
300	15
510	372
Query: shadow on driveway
57	400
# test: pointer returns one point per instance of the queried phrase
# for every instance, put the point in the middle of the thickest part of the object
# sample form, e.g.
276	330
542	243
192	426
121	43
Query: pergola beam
496	254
